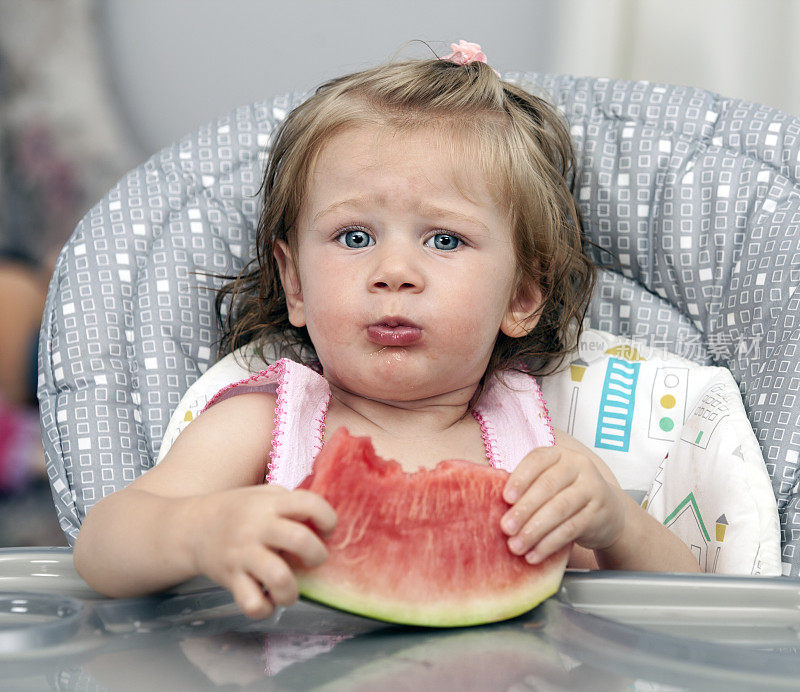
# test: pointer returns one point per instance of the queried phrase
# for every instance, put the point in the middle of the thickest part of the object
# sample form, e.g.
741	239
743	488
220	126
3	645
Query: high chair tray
761	612
602	631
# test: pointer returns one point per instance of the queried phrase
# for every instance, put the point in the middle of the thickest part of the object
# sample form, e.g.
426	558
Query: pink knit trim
546	412
320	428
278	426
489	441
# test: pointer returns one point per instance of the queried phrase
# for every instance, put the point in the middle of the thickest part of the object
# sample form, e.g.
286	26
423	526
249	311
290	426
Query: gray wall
115	80
174	65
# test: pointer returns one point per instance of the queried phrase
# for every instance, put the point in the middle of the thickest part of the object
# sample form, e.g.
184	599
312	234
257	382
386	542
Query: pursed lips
394	331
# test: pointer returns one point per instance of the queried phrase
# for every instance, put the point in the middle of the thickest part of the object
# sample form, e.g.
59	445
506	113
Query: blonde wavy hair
524	150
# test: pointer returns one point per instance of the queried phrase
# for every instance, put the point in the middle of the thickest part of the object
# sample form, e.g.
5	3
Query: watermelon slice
422	548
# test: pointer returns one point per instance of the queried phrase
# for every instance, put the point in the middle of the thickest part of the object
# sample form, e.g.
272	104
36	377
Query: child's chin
395	375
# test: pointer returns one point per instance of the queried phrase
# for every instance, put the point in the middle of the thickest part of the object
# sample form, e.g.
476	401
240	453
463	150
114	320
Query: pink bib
511	412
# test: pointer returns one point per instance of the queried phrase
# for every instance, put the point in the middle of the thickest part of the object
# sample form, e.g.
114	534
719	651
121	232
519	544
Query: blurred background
91	88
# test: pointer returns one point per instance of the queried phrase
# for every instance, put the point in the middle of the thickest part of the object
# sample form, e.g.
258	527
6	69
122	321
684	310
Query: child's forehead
364	145
430	157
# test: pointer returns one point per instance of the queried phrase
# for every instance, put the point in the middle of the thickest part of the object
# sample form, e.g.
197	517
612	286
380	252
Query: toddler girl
418	243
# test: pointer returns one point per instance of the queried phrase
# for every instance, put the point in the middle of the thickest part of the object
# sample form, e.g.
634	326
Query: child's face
404	284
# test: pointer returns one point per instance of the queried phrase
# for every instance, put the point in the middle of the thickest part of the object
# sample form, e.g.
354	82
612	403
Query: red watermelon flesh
421	548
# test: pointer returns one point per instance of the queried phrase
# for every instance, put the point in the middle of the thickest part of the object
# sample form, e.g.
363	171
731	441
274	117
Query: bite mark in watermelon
422	548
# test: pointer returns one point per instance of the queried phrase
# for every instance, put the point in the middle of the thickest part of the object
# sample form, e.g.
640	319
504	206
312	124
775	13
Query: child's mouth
394	332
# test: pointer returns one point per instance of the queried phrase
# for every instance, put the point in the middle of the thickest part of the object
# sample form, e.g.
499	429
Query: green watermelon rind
491	608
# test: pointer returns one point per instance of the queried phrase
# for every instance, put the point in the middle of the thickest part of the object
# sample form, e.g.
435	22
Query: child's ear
523	313
291	283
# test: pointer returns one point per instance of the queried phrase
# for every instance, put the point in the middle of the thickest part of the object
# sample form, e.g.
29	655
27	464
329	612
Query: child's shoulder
248	415
224	447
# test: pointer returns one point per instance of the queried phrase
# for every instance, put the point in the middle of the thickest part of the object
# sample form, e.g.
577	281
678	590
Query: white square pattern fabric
695	197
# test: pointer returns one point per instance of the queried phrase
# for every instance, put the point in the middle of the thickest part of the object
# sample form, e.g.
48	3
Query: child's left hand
558	496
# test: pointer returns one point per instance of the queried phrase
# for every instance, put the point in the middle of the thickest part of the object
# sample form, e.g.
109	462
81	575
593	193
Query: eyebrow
423	209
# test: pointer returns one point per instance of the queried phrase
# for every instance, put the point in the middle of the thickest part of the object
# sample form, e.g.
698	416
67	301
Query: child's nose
396	272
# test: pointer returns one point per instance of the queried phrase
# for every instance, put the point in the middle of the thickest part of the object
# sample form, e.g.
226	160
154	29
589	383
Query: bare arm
646	545
205	510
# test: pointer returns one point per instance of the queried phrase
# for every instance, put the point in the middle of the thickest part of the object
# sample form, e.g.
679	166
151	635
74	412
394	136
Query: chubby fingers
250	596
263	577
296	541
264	582
305	506
541	495
558	523
528	470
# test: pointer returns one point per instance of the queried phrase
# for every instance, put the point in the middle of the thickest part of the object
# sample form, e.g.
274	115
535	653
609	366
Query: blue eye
356	239
444	241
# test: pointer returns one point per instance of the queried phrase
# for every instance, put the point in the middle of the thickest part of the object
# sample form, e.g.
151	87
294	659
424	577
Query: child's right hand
250	539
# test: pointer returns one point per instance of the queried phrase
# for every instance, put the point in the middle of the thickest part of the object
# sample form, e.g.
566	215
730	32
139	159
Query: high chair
692	199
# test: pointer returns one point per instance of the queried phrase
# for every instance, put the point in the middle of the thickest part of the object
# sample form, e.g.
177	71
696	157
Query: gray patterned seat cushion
695	195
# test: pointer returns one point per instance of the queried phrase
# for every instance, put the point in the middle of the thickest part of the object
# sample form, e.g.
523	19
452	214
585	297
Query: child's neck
409	420
416	433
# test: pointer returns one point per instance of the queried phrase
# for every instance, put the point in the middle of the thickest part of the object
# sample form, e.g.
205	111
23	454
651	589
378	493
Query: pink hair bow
464	53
